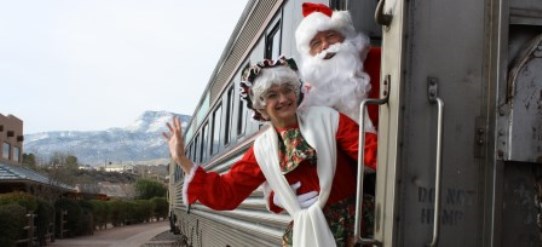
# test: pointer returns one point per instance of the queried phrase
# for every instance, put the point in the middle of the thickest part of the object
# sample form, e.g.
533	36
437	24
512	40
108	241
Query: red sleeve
226	191
347	139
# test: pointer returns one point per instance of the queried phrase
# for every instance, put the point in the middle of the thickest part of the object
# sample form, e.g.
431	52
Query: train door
430	182
517	133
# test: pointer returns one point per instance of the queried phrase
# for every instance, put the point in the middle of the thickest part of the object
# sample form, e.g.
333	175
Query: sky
84	65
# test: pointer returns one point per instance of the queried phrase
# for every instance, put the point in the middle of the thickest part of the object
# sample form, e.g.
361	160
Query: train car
459	131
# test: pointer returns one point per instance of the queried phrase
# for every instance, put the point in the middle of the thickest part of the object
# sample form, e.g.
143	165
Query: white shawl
318	125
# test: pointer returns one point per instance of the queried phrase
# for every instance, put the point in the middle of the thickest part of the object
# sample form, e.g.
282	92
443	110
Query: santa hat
317	18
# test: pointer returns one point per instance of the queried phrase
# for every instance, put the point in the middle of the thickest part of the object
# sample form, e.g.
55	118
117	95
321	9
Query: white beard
339	82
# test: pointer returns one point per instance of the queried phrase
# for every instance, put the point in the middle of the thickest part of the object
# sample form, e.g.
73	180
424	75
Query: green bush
118	212
86	223
161	207
101	212
144	211
44	211
147	189
44	216
12	220
25	200
132	211
72	218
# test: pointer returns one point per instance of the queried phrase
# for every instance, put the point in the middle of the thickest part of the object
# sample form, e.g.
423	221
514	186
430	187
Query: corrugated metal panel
239	227
251	31
210	229
257	216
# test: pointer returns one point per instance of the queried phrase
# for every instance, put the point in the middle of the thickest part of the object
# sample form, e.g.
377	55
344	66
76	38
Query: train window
241	118
272	42
229	116
242	113
338	4
196	148
215	130
362	16
177	172
204	143
189	155
289	22
193	149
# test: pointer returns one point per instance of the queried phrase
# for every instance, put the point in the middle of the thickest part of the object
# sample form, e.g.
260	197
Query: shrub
101	212
144	211
23	199
132	215
86	224
72	218
12	220
147	189
161	207
44	216
119	212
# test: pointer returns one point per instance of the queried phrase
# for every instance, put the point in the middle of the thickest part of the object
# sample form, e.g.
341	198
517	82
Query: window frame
15	155
6	153
230	96
275	32
214	131
204	142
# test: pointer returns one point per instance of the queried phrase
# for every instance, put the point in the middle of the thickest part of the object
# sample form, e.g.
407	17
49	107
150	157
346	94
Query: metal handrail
432	94
361	163
380	17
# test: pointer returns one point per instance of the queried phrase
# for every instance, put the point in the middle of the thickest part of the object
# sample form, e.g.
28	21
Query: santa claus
333	55
340	69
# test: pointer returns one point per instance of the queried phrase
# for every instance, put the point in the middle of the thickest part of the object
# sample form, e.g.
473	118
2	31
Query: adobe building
11	139
15	177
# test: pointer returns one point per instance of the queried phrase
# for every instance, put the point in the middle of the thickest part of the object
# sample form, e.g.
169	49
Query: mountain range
140	141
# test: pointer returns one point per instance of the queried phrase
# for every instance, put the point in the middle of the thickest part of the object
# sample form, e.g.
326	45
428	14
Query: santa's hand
305	200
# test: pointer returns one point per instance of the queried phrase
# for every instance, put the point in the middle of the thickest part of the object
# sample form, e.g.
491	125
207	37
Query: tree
147	189
63	168
29	160
71	163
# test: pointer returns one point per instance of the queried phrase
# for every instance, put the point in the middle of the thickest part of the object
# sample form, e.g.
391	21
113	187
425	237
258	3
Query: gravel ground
166	239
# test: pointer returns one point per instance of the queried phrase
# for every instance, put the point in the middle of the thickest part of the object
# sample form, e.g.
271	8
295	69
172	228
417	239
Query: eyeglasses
274	92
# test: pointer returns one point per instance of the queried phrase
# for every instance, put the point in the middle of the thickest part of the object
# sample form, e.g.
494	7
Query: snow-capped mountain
141	140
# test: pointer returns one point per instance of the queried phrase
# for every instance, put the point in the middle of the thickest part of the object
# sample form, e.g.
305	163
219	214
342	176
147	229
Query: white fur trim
187	179
340	21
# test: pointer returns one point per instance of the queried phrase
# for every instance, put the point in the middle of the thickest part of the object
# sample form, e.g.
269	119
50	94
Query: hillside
140	141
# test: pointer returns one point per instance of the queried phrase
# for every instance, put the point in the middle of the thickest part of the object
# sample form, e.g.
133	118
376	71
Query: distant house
122	168
15	177
89	192
86	167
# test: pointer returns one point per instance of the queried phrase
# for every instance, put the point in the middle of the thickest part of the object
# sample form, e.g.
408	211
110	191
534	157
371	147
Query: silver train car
460	132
